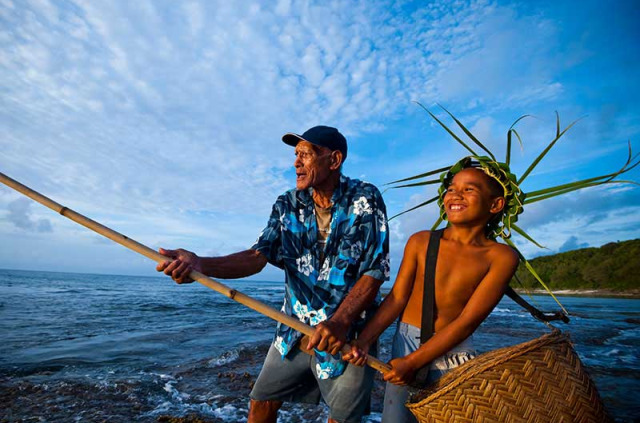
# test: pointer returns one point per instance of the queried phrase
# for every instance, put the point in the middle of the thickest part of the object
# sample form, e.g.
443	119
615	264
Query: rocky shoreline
604	293
595	293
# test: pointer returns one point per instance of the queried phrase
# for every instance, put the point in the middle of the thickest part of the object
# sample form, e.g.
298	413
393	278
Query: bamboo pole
125	241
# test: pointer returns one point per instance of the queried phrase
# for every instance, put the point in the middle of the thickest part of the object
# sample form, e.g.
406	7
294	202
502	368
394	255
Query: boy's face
469	199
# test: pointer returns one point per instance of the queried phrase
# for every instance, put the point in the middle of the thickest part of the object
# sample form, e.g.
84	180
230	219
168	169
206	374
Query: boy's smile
468	198
456	207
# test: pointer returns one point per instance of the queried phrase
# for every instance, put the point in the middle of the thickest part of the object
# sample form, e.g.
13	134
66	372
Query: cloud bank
164	119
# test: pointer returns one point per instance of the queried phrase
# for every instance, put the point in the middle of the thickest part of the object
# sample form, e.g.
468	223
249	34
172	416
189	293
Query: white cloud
611	226
20	215
167	110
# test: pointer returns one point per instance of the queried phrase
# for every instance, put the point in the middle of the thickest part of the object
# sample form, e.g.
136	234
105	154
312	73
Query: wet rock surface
207	391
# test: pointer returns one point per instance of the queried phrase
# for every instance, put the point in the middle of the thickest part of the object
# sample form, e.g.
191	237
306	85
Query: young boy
471	275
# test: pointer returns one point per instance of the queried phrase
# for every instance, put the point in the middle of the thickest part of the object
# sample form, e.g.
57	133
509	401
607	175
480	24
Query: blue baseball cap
324	136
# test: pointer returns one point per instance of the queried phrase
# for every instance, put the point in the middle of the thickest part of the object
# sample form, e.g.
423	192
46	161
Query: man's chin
301	185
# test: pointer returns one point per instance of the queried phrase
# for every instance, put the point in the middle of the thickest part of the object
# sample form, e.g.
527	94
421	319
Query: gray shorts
405	341
295	379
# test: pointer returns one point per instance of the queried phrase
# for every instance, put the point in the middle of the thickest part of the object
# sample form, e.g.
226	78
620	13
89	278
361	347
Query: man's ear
497	205
335	160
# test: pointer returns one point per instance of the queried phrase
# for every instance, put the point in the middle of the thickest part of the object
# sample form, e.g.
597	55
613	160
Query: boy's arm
486	296
391	307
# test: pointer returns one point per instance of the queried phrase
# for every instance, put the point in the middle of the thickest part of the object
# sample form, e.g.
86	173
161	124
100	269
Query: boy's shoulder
502	252
420	235
499	247
417	244
418	239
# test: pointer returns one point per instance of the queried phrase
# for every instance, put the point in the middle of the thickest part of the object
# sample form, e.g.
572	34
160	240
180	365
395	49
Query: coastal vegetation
612	267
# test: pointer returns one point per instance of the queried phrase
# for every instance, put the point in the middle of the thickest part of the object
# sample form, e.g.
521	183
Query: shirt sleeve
375	262
269	242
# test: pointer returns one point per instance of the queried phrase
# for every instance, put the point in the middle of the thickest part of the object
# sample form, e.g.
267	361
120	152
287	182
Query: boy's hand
358	354
401	373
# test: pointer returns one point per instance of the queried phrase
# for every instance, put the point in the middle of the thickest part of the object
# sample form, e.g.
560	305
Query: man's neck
323	194
322	198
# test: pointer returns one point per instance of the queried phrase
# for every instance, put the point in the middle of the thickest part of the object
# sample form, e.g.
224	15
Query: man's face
312	165
469	200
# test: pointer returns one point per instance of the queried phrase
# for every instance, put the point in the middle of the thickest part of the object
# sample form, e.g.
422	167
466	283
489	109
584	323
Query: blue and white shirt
358	245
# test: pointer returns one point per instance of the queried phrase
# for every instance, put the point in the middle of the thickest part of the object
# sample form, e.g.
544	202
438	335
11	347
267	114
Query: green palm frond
469	134
438	222
530	200
422	175
448	130
535	274
526	289
512	130
429	201
546	150
418	184
526	236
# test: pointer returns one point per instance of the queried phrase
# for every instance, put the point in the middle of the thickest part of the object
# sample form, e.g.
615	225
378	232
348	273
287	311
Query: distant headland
612	269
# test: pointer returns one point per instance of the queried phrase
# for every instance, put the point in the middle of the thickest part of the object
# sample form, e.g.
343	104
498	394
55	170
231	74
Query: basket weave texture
539	381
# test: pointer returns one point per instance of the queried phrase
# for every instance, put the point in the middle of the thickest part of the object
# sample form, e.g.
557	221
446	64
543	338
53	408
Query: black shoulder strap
428	297
543	317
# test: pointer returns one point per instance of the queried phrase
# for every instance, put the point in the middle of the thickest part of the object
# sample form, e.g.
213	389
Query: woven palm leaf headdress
504	223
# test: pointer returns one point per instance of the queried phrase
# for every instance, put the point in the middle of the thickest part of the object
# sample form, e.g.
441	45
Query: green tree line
614	266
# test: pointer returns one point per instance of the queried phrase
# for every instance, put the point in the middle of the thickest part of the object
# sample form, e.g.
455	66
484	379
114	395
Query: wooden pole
235	295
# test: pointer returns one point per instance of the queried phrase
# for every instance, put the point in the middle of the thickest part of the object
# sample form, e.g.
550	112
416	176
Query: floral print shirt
358	245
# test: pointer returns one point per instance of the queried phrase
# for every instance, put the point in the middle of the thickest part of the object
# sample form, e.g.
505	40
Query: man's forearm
359	298
234	266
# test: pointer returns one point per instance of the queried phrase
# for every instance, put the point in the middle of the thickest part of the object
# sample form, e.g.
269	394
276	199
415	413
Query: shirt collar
340	189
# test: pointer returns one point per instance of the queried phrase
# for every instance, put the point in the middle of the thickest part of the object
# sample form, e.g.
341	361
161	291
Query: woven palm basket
542	380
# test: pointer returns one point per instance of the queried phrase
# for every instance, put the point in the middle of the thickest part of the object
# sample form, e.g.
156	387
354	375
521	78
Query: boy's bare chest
458	273
458	270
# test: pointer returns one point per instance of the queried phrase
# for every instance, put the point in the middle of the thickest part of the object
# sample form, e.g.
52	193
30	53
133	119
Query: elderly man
330	236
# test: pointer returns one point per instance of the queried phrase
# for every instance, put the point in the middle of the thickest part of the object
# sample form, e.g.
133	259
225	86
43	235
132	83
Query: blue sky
163	119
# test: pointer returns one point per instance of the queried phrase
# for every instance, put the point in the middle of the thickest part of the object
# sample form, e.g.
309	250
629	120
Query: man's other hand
329	336
183	263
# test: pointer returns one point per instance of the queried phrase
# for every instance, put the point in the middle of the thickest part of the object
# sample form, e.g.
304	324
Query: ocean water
93	348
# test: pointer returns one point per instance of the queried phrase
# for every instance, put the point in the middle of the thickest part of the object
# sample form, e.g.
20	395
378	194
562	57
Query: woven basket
542	380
